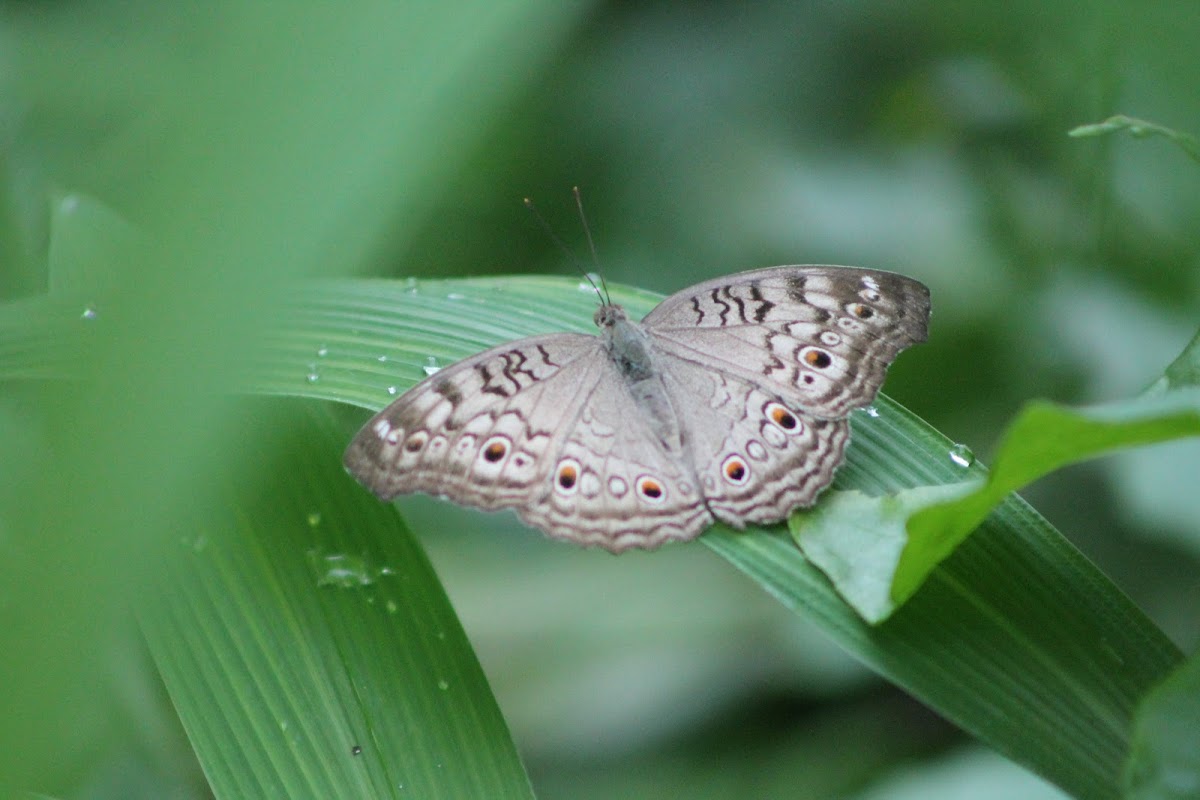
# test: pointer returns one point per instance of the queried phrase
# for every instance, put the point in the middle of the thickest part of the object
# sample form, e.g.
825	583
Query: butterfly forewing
822	335
479	431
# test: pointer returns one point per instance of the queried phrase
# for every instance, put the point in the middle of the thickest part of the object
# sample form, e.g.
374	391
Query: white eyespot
735	470
850	325
830	339
773	435
495	449
870	282
393	436
589	485
382	428
567	476
870	295
617	486
755	450
464	445
520	466
651	489
437	444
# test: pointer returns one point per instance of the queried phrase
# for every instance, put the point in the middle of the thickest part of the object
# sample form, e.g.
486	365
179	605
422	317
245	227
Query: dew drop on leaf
961	455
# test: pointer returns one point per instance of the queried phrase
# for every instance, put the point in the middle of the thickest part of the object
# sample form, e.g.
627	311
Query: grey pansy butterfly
729	402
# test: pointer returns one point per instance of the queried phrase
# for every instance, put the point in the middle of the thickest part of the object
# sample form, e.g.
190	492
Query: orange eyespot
735	470
567	476
782	417
650	489
861	311
817	358
494	450
416	442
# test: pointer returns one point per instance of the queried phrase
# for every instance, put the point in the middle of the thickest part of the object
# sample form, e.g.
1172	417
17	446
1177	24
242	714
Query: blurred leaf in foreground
1164	763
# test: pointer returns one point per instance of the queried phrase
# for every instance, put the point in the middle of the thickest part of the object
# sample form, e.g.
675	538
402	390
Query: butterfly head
609	315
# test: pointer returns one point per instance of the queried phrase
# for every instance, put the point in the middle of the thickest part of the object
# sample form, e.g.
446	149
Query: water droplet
198	545
89	312
443	684
392	390
872	411
345	570
410	286
340	569
70	204
382	359
961	455
312	377
392	608
455	296
355	750
322	351
314	519
441	635
432	365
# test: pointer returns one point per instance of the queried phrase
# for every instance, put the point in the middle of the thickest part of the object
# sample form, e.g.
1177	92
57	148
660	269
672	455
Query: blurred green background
258	146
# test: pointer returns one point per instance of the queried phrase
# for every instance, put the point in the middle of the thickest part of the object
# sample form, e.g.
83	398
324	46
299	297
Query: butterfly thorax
630	349
626	343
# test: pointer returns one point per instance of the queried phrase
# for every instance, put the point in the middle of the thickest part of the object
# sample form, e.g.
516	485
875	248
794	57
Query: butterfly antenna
563	246
587	229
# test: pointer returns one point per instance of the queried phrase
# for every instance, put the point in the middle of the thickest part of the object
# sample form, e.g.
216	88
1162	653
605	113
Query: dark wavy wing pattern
823	337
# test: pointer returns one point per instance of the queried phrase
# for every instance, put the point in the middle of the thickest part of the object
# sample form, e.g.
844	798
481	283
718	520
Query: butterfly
728	402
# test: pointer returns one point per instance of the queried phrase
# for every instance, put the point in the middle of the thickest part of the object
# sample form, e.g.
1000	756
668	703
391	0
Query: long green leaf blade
310	648
1016	637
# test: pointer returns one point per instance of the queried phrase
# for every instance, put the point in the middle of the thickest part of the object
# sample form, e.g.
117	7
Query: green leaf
1184	371
1165	760
1140	129
250	143
1015	637
856	540
1043	438
309	647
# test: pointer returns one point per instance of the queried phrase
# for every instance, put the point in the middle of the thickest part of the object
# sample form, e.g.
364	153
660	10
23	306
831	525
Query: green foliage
194	599
1140	128
1043	438
1165	762
309	647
